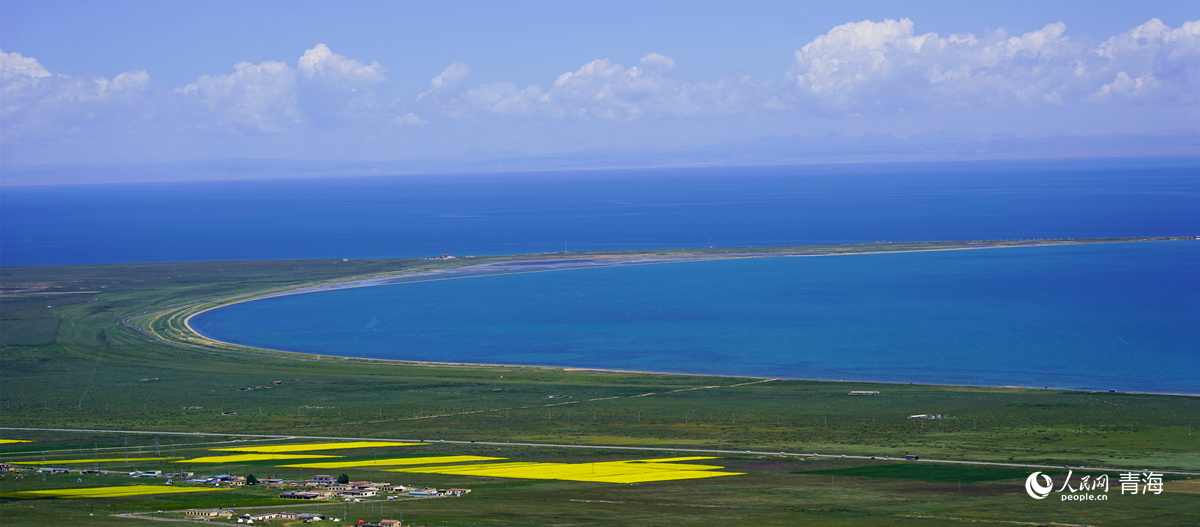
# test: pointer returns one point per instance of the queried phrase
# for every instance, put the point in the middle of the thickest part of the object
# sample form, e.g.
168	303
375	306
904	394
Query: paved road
664	449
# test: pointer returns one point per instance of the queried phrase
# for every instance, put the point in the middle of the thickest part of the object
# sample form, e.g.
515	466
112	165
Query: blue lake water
632	209
1120	317
1107	316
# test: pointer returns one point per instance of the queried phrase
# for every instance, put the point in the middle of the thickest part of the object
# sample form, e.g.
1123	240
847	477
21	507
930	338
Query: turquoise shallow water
1110	316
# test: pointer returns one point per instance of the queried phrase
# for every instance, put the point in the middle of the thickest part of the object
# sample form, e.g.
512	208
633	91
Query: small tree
343	479
251	480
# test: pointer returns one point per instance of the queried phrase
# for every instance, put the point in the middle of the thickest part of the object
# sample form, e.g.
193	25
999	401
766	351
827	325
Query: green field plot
119	367
102	492
928	472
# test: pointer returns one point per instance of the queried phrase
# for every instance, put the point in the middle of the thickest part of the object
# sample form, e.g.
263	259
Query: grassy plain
77	355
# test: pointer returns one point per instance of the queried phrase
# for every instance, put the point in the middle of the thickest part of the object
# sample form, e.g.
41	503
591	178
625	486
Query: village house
304	495
53	470
208	513
323	480
267	516
364	493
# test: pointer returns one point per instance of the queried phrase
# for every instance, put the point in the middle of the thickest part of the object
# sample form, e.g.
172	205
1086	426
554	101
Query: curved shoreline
569	262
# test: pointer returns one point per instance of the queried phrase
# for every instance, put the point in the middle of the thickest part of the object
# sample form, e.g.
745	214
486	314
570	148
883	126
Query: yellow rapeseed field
637	471
104	460
238	458
4	441
103	492
392	462
313	446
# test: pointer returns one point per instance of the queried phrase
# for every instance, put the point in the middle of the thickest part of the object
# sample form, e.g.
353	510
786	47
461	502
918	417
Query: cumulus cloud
884	67
1151	62
323	64
324	89
505	99
450	78
24	77
445	95
39	104
254	98
333	89
1127	88
917	81
603	90
20	70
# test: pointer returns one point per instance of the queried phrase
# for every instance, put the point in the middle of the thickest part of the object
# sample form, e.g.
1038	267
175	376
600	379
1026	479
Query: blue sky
123	82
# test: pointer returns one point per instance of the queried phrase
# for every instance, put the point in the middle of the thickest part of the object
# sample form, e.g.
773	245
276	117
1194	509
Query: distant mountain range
831	149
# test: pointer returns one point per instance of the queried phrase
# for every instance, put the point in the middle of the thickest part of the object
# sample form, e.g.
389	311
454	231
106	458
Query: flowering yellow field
103	492
4	441
313	446
238	458
637	471
104	460
392	462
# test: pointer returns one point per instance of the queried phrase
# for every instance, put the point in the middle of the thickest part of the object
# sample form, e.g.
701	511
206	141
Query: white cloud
444	95
1041	44
15	68
1149	63
453	76
25	77
603	90
254	98
903	80
505	99
870	68
325	89
885	67
1127	88
839	66
321	63
333	90
40	105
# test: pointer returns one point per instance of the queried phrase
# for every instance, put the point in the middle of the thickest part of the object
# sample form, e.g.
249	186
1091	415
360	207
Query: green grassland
69	361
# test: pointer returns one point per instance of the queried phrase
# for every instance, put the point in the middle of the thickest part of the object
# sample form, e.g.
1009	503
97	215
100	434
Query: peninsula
100	358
